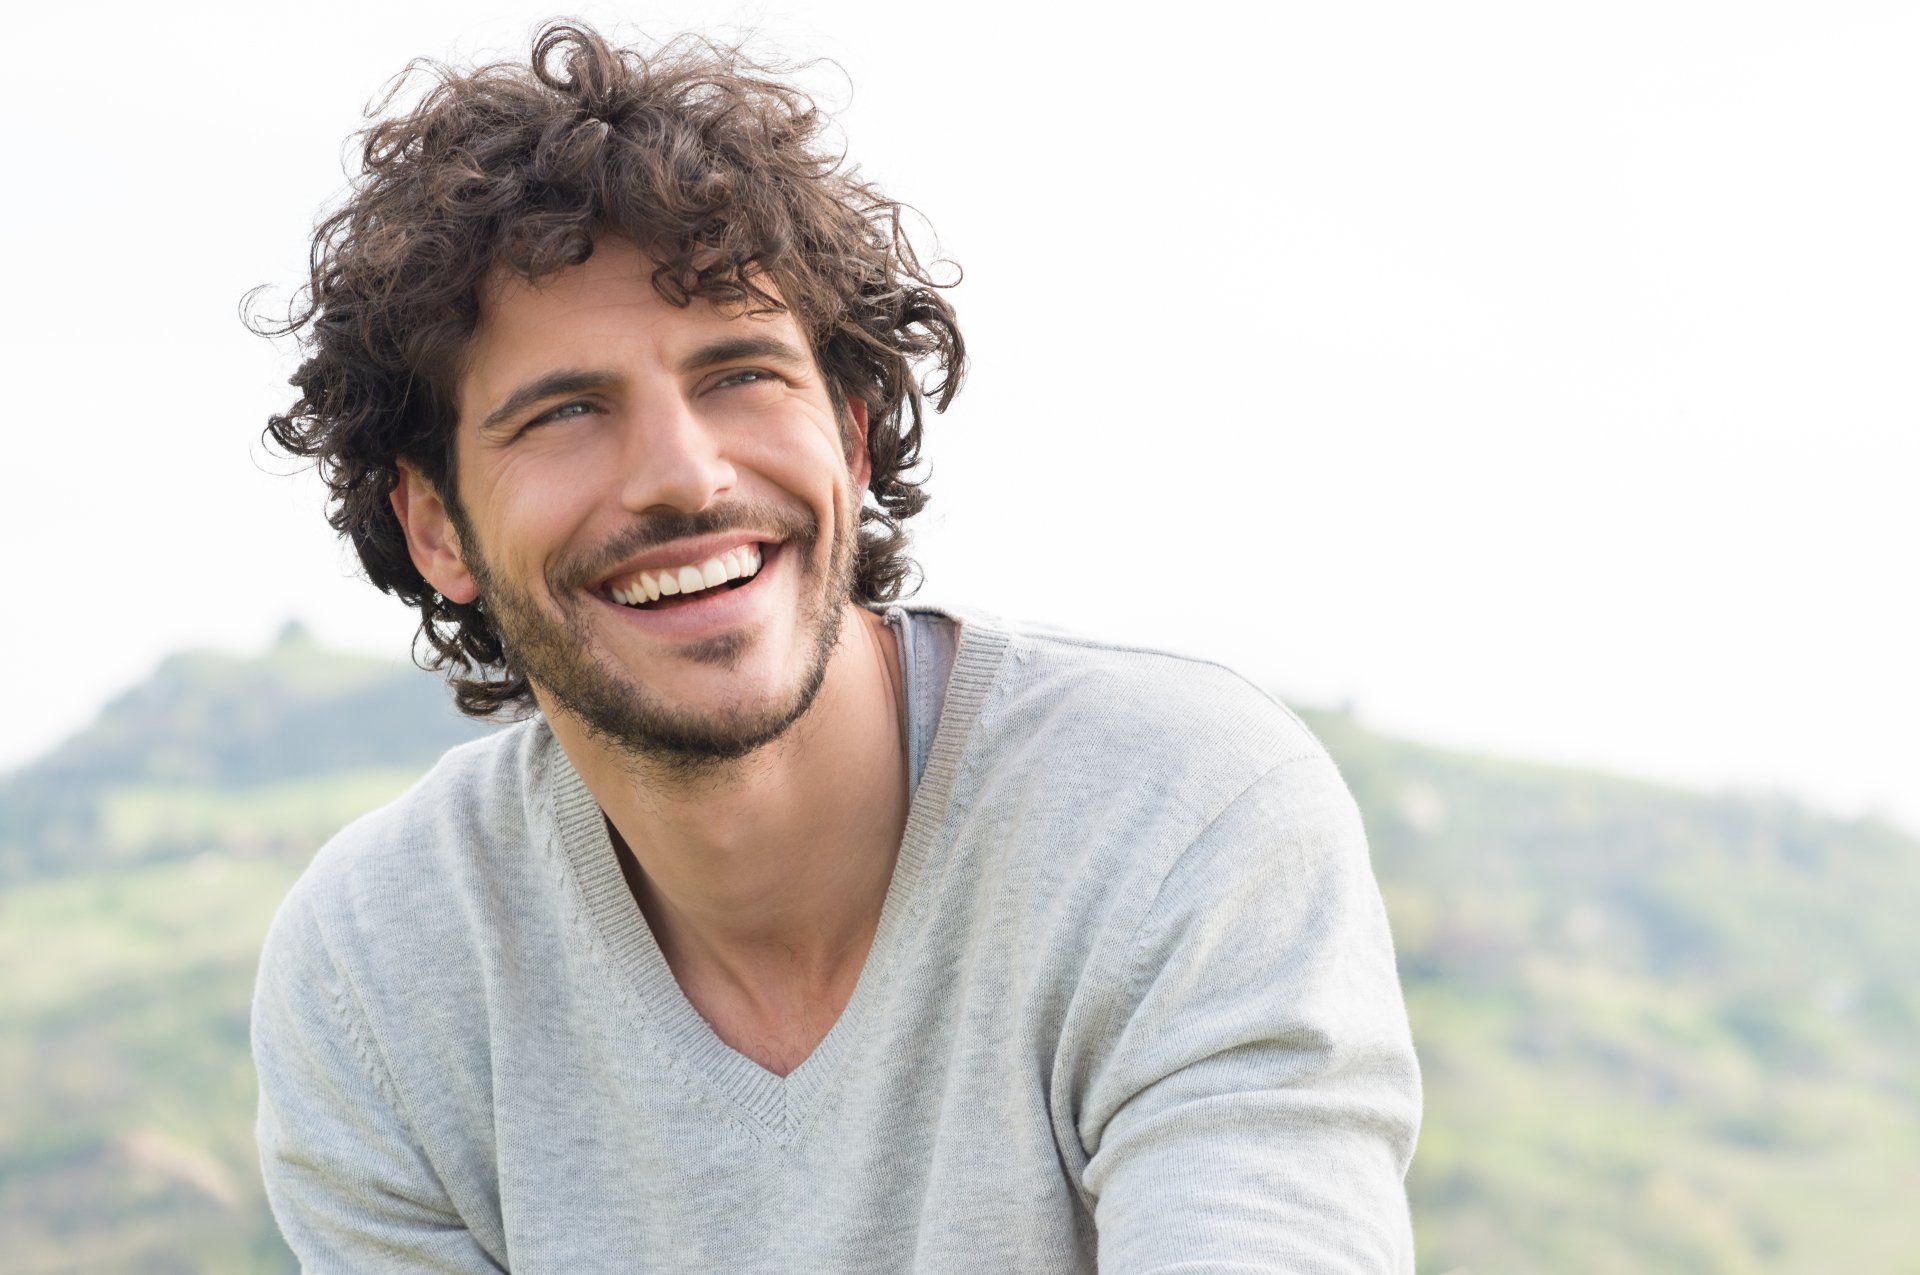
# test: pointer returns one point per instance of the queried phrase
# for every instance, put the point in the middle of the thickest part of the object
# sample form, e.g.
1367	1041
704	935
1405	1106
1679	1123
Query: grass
123	1025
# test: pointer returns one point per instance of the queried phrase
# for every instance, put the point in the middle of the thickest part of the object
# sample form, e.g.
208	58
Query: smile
645	589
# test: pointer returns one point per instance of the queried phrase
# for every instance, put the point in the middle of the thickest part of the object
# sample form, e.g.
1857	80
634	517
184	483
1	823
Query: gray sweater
1132	999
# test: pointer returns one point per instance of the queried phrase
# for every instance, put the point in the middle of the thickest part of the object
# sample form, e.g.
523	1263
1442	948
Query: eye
566	411
745	376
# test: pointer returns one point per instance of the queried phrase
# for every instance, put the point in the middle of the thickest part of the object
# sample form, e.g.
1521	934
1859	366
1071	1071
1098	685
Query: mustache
781	522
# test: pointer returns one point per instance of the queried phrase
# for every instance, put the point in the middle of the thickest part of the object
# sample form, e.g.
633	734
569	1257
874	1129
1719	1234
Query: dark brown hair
696	153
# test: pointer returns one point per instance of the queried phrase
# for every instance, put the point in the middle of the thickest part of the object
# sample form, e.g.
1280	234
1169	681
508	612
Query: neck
767	874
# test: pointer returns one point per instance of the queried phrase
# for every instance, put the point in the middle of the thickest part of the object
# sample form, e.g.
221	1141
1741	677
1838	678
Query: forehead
603	311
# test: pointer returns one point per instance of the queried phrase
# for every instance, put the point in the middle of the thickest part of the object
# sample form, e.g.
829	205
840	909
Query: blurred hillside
1661	1031
247	755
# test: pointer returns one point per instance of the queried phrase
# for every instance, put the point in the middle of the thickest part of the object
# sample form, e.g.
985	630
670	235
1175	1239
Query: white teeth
651	586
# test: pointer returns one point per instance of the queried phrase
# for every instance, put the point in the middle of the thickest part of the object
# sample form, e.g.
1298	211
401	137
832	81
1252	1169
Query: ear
432	541
858	461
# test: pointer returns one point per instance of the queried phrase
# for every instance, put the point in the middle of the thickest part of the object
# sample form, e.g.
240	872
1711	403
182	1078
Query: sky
1537	379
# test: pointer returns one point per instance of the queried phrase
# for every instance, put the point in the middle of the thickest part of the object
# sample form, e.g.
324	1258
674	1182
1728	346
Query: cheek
534	513
810	465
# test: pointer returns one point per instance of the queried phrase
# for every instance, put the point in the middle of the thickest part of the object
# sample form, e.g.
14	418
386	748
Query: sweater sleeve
349	1185
1254	1108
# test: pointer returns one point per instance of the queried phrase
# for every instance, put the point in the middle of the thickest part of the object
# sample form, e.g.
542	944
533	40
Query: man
789	930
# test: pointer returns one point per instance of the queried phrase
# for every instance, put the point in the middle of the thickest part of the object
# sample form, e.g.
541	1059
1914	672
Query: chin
644	729
730	696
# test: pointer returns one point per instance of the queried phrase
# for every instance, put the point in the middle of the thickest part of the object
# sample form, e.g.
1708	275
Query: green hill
1661	1031
251	755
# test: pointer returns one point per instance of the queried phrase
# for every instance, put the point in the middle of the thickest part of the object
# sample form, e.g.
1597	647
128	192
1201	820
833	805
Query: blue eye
563	412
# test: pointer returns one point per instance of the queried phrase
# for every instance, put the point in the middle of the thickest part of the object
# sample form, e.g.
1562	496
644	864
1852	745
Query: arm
1255	1108
349	1185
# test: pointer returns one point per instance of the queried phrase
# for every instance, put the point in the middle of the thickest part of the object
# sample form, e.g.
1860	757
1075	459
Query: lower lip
706	615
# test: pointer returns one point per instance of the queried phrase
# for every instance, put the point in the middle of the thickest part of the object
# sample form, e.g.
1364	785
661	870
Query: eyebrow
552	385
732	349
581	380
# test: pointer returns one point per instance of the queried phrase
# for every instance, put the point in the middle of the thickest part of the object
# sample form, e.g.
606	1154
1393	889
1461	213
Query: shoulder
1192	730
1123	799
1094	768
402	870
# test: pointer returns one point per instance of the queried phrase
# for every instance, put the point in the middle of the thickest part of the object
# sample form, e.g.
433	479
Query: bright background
1534	377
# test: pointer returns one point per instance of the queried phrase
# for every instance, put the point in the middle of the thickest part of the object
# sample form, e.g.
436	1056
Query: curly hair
694	152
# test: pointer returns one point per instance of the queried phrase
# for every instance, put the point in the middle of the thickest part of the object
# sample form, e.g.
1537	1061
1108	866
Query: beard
556	651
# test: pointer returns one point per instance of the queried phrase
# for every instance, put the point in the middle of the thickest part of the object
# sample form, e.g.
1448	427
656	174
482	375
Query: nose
672	459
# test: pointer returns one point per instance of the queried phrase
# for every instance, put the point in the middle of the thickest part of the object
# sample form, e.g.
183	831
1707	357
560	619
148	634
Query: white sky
1536	377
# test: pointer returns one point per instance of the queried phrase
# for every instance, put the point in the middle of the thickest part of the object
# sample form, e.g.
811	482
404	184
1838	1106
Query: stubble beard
557	654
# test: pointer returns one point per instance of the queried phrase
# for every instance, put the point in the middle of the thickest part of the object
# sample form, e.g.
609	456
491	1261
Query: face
659	515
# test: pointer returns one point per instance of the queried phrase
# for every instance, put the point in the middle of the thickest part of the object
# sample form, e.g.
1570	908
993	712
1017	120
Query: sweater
1131	1004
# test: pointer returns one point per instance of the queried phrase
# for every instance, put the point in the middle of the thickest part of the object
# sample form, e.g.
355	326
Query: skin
764	821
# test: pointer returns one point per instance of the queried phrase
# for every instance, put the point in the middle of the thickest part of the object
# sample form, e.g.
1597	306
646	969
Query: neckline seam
628	955
589	924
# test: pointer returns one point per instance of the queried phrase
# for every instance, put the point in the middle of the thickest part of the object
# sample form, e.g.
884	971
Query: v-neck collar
775	1106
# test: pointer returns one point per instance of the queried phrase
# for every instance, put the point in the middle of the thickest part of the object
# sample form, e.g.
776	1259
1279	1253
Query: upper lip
687	553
